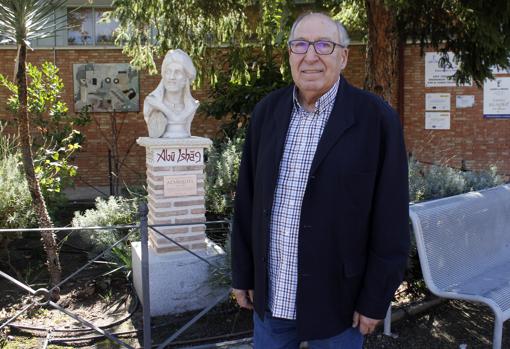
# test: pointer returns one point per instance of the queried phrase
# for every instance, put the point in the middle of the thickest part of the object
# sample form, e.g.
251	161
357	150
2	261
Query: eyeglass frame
312	43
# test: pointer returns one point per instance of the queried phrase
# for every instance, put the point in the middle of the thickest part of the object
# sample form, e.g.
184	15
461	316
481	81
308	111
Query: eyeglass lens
321	47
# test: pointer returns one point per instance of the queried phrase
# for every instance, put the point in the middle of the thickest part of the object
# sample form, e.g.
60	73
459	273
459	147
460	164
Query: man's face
174	77
312	73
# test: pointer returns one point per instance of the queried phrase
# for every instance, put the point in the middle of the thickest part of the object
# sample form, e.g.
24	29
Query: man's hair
342	32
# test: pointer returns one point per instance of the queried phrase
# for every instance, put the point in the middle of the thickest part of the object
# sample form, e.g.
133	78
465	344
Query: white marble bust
170	108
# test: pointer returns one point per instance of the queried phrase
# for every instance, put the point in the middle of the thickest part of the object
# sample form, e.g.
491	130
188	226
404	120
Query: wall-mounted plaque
437	101
106	87
496	98
179	185
437	120
437	76
465	101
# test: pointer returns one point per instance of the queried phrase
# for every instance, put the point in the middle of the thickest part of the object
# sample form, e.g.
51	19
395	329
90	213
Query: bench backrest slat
461	236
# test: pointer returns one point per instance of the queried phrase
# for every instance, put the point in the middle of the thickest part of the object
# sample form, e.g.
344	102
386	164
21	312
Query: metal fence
42	297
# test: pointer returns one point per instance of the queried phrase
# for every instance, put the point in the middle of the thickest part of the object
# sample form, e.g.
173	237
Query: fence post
144	237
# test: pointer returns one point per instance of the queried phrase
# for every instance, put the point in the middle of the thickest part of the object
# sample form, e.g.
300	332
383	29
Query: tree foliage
149	28
20	22
476	31
55	137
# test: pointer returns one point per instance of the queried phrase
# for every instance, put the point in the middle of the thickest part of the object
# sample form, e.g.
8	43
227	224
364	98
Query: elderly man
320	236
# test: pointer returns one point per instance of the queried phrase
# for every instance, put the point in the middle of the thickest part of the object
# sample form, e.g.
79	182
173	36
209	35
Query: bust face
174	77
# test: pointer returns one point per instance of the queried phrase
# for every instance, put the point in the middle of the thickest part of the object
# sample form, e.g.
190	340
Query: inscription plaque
179	185
177	157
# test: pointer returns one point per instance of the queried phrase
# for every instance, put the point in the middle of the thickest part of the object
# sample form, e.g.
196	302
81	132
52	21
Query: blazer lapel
281	120
340	119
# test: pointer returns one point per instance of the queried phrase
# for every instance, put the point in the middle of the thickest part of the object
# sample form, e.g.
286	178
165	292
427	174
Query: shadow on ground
445	326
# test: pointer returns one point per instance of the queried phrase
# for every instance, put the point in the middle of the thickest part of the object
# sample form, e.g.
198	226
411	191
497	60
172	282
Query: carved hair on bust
169	109
182	58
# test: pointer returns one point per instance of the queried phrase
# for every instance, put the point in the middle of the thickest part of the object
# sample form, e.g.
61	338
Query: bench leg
498	333
387	322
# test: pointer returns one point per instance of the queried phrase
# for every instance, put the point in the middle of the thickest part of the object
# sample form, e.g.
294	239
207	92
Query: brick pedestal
175	184
178	280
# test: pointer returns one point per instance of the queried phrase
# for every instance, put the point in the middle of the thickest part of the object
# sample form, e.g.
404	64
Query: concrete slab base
178	281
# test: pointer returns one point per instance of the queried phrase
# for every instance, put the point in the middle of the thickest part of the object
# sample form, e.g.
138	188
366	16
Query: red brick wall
478	141
92	161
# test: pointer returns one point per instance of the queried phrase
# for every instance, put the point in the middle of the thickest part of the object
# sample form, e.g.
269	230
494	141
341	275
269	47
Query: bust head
169	109
177	71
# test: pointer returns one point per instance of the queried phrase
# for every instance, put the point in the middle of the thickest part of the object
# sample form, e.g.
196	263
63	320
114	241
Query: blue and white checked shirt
304	133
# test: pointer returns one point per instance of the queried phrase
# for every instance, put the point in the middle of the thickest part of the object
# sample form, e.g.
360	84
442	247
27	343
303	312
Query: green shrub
112	211
428	182
222	171
15	200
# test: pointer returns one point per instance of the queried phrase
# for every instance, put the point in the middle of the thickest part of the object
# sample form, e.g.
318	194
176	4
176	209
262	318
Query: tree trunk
48	238
381	71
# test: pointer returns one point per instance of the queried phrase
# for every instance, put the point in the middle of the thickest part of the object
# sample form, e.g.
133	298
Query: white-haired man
320	236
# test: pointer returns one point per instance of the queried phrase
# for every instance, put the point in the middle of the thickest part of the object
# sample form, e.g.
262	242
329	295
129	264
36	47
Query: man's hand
244	298
366	324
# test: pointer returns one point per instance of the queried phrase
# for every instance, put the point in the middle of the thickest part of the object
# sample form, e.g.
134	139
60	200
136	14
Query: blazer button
306	226
312	177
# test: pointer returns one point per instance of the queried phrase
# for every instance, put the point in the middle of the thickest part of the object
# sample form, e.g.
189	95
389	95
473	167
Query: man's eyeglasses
321	47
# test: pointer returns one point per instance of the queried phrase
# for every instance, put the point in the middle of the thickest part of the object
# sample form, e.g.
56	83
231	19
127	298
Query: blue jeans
275	333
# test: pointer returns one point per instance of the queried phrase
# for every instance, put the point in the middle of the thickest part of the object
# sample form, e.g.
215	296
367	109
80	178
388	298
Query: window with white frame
85	28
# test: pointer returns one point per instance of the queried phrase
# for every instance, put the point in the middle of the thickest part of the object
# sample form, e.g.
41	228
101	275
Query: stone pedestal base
178	280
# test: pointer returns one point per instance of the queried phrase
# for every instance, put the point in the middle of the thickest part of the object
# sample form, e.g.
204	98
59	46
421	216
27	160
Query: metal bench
463	243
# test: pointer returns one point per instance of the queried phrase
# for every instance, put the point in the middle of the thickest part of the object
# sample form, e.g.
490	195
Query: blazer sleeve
389	239
241	239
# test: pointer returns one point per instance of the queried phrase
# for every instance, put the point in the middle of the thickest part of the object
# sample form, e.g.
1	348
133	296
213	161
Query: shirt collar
323	102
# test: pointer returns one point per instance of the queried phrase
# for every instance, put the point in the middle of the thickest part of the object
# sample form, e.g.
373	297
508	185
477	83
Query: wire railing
42	297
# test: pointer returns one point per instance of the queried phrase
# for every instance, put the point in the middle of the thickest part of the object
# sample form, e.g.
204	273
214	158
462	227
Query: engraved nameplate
179	185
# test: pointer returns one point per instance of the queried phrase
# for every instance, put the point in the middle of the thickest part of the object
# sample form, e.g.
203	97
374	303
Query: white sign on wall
498	70
435	76
437	120
465	101
437	101
496	98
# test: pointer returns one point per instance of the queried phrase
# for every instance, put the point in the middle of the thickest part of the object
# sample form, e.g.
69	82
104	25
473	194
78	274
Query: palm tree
20	22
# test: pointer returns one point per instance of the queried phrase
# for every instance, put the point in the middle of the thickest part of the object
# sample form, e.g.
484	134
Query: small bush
15	201
222	172
428	182
115	210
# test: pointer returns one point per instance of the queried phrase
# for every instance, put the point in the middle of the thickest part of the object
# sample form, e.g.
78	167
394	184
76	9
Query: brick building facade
472	141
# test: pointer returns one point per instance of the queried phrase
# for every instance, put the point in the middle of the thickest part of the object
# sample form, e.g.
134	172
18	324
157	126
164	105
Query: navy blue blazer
353	237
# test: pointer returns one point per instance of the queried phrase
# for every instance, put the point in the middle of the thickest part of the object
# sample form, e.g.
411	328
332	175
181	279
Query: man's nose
311	55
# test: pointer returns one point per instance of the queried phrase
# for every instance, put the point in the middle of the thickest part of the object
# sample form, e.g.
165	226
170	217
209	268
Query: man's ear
344	57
